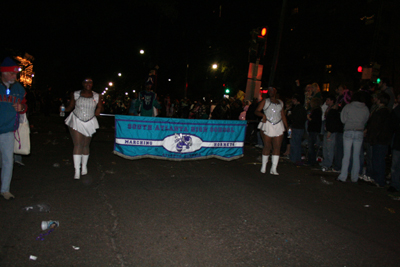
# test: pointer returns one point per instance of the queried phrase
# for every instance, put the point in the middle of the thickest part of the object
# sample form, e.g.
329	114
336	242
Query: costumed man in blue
147	101
12	103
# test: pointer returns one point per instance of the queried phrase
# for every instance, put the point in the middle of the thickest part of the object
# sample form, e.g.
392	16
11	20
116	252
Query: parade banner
178	139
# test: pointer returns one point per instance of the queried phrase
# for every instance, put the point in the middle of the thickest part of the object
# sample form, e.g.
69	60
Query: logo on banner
182	143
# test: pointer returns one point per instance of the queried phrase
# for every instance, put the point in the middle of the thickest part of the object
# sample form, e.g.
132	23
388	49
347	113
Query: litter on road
324	181
37	208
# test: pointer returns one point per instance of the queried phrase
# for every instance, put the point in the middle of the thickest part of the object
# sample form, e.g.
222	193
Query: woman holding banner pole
82	122
271	127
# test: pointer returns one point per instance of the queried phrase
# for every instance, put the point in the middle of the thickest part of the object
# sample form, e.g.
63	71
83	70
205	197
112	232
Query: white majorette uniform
82	118
274	125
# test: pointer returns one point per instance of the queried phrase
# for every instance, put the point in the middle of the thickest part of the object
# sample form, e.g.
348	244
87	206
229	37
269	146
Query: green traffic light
378	80
227	91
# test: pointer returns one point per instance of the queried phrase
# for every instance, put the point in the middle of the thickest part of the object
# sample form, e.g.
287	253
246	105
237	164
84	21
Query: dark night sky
101	38
70	41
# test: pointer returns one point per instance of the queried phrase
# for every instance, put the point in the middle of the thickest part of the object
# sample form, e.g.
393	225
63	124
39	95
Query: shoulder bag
22	143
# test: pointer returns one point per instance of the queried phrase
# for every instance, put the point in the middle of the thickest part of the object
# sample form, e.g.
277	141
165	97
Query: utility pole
277	45
257	49
186	80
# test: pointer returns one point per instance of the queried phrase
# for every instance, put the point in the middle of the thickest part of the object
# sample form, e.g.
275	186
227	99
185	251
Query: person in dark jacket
343	97
379	136
221	111
286	138
298	119
314	129
252	122
333	125
236	109
395	170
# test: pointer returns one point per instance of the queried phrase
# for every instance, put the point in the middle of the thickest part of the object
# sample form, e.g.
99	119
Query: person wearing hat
12	103
85	105
147	101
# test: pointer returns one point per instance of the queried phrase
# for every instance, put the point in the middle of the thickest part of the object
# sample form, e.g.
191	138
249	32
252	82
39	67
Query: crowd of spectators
355	133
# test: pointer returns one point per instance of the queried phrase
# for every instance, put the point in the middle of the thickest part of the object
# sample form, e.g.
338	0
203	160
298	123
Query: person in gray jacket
354	117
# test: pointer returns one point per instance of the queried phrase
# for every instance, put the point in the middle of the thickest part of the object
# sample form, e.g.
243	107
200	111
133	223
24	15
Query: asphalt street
195	213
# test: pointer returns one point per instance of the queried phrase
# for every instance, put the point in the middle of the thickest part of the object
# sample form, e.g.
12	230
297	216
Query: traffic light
263	32
259	33
258	43
360	69
226	89
262	41
378	80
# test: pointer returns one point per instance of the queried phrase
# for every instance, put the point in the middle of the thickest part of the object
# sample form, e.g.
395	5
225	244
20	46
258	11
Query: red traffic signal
263	32
360	69
259	34
258	43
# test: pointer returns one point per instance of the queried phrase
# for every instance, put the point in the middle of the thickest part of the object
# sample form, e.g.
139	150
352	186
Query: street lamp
119	74
110	84
141	51
215	66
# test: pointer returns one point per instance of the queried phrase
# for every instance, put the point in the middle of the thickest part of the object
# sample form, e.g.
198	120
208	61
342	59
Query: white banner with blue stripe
178	139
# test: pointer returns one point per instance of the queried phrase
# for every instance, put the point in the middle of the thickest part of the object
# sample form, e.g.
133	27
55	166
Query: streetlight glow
214	66
119	74
141	51
110	84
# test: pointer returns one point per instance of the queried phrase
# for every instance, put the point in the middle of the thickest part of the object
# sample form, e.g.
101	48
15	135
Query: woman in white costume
82	122
272	127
